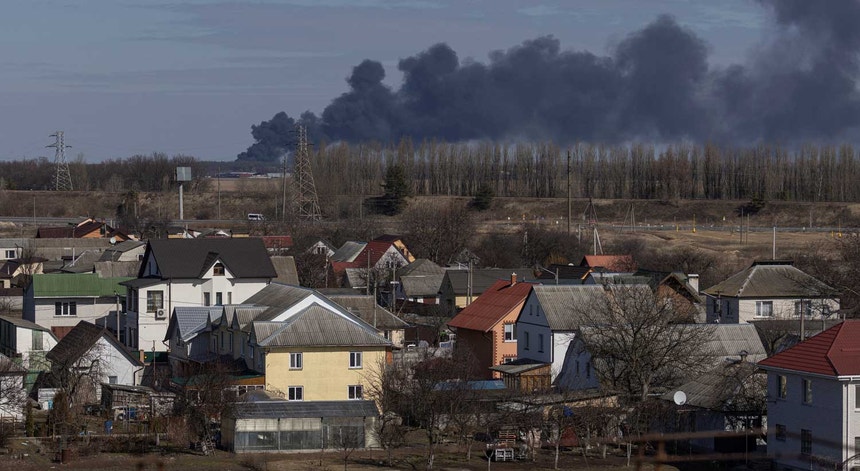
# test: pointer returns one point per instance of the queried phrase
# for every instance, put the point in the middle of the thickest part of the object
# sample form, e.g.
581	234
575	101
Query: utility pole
63	178
568	193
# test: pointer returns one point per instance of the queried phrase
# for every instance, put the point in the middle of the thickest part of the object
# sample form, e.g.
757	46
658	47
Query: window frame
806	388
526	339
759	309
780	432
510	332
295	393
355	360
805	442
218	269
355	392
803	307
781	386
151	297
296	360
540	343
65	309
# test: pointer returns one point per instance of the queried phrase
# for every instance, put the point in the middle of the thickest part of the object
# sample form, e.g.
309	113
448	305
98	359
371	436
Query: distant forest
808	173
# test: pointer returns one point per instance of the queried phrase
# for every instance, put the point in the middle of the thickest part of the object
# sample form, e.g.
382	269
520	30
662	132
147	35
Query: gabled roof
366	308
69	285
616	263
187	258
113	253
319	326
278	297
285	267
189	321
492	306
562	303
420	267
834	352
24	323
422	285
483	278
771	280
79	341
730	340
348	251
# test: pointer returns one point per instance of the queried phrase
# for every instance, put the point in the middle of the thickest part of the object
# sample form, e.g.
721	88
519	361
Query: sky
126	77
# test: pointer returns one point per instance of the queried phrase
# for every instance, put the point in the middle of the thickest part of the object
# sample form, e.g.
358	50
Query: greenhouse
272	425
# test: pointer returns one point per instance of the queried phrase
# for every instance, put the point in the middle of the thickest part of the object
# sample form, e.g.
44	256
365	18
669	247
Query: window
207	299
807	391
219	299
355	359
588	369
780	432
525	340
805	442
229	297
295	393
295	361
802	307
764	308
112	379
540	343
154	300
221	335
66	309
510	333
230	345
38	345
355	392
781	387
218	269
10	253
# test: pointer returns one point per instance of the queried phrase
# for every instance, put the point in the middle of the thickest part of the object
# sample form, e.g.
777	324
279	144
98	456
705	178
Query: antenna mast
308	204
63	179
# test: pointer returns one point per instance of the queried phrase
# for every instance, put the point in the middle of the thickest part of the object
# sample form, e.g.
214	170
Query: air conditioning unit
159	313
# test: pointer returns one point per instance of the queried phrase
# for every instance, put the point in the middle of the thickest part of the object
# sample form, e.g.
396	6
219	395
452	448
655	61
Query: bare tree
438	231
13	397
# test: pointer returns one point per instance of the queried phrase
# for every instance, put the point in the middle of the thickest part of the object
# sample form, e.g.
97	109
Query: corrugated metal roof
186	258
564	305
422	285
319	326
191	320
762	280
366	308
277	297
348	251
246	314
719	386
420	267
76	285
303	409
492	306
834	352
285	266
729	340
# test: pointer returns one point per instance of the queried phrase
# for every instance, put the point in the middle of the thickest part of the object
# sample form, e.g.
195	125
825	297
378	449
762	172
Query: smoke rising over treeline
656	85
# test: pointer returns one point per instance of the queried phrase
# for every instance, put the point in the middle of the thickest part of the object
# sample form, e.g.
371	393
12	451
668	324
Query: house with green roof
58	301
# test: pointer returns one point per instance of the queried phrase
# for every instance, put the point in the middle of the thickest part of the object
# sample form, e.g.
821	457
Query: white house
814	401
59	301
20	338
769	290
92	355
191	272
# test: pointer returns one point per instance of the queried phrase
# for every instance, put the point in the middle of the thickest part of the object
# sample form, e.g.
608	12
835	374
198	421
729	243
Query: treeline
809	173
638	171
155	172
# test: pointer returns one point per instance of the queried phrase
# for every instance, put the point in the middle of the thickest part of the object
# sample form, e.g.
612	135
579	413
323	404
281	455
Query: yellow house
320	354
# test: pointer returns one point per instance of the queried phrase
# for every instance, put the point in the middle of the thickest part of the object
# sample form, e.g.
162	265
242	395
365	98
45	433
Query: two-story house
25	340
814	401
770	289
59	301
486	329
191	272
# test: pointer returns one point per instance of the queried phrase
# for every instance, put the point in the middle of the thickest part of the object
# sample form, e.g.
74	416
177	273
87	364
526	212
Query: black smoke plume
656	85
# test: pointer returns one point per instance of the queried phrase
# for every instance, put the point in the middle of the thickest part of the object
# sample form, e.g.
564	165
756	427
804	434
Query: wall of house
114	363
479	346
531	327
325	374
735	310
823	417
576	371
42	311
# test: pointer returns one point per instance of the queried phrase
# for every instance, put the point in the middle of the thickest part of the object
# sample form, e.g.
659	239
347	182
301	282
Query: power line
63	178
308	204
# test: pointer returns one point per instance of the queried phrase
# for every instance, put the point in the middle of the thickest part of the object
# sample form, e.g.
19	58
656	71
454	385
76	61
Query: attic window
218	269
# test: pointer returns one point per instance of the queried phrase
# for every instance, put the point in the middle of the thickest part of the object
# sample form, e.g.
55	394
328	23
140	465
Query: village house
25	340
462	287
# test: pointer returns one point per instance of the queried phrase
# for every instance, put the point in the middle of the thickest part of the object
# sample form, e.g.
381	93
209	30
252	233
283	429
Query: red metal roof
492	306
834	352
369	256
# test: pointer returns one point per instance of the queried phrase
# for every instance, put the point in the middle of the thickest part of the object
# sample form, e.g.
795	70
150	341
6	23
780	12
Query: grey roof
278	297
303	409
191	320
246	314
771	280
369	311
561	303
421	285
348	251
112	254
83	263
285	266
420	267
9	367
728	340
718	387
19	322
319	326
117	269
78	341
483	278
187	258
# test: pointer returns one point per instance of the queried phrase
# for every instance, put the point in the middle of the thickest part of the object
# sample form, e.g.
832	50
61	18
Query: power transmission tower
63	180
308	205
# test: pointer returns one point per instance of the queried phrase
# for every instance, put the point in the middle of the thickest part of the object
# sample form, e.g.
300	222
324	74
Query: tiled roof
492	306
191	320
834	352
616	263
186	258
769	280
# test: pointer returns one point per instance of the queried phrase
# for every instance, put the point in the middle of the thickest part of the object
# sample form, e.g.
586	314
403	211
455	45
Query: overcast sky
125	77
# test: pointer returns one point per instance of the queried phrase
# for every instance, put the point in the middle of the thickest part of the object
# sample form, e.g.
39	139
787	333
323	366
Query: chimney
513	279
693	280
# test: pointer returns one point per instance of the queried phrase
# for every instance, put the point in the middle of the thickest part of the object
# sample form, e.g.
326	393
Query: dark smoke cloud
655	85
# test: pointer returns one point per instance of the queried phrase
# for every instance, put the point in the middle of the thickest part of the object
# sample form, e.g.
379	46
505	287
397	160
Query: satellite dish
113	241
680	398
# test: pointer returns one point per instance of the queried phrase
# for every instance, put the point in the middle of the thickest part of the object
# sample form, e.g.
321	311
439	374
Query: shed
263	424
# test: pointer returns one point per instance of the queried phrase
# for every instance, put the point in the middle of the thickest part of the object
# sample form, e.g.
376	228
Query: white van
255	217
